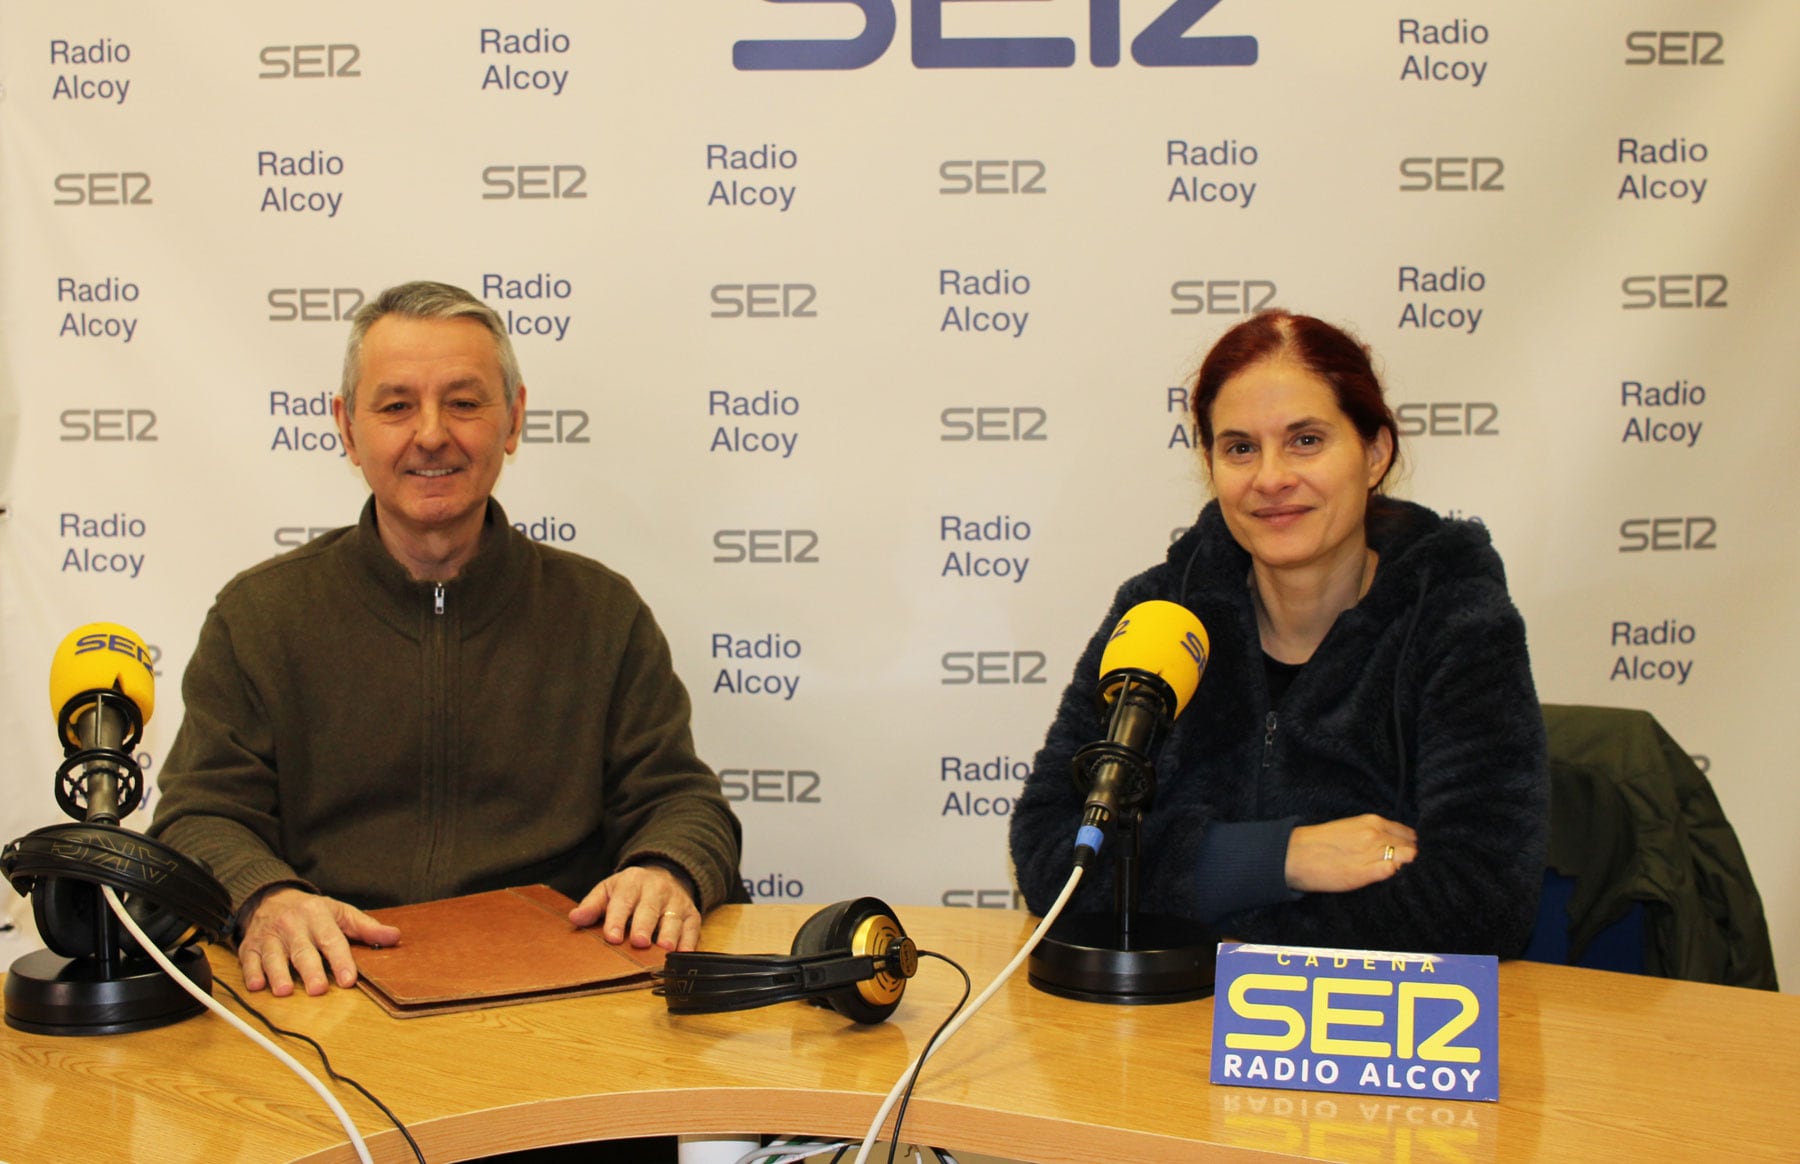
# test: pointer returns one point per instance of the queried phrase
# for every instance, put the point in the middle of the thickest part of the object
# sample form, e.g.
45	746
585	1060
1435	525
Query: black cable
325	1060
906	1096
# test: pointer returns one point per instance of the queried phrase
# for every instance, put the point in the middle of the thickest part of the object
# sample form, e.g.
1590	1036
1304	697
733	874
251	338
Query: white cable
212	1004
893	1095
791	1152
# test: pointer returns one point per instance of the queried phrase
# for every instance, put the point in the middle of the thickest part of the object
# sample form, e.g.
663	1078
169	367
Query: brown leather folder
494	949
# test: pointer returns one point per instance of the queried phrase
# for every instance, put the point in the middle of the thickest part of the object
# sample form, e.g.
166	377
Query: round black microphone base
1171	959
48	994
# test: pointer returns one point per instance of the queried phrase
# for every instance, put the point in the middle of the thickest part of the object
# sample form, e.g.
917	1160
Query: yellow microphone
1149	671
1157	638
102	691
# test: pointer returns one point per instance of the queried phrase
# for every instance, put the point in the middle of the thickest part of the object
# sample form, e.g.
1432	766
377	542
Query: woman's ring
1387	854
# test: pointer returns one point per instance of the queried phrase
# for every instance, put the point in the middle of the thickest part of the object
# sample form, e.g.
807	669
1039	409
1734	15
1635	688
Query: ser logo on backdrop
1459	173
1221	296
1162	43
313	304
992	668
764	301
1674	292
993	176
534	181
994	422
767	547
1448	418
309	62
1676	534
108	424
555	426
771	785
103	188
1648	46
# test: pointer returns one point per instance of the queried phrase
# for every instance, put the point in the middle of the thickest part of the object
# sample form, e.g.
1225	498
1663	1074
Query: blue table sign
1358	1021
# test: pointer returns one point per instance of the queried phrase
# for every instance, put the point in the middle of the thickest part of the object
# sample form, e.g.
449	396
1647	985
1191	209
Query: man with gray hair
428	703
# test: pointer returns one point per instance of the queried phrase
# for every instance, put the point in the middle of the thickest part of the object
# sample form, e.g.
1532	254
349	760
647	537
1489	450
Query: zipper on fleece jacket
434	790
1268	756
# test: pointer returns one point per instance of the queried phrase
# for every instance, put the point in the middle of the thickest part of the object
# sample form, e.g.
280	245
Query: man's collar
478	593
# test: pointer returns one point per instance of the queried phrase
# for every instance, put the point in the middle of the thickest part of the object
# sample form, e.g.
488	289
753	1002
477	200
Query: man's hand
1341	855
642	904
305	931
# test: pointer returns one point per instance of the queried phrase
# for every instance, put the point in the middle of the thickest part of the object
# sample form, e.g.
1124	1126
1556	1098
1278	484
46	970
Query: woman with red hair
1364	765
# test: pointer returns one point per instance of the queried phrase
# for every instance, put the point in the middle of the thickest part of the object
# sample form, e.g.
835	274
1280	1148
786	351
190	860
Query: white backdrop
1564	228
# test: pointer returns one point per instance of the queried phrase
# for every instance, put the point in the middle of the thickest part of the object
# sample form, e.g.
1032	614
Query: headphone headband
853	957
60	867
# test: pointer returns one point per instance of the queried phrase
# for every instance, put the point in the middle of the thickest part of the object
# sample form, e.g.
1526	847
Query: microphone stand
1125	872
1125	957
105	985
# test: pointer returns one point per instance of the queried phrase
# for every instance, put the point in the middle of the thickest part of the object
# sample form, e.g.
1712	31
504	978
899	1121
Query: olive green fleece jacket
388	741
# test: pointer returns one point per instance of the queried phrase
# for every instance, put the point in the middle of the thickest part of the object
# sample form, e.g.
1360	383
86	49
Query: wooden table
1594	1066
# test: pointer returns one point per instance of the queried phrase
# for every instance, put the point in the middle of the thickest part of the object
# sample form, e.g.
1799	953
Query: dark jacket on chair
1634	820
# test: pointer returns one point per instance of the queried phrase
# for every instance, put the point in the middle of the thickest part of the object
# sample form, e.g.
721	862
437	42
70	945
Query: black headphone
62	867
853	957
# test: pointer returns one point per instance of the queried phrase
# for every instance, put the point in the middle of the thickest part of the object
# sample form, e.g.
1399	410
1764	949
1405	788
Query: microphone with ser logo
102	691
1151	666
1148	673
94	978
